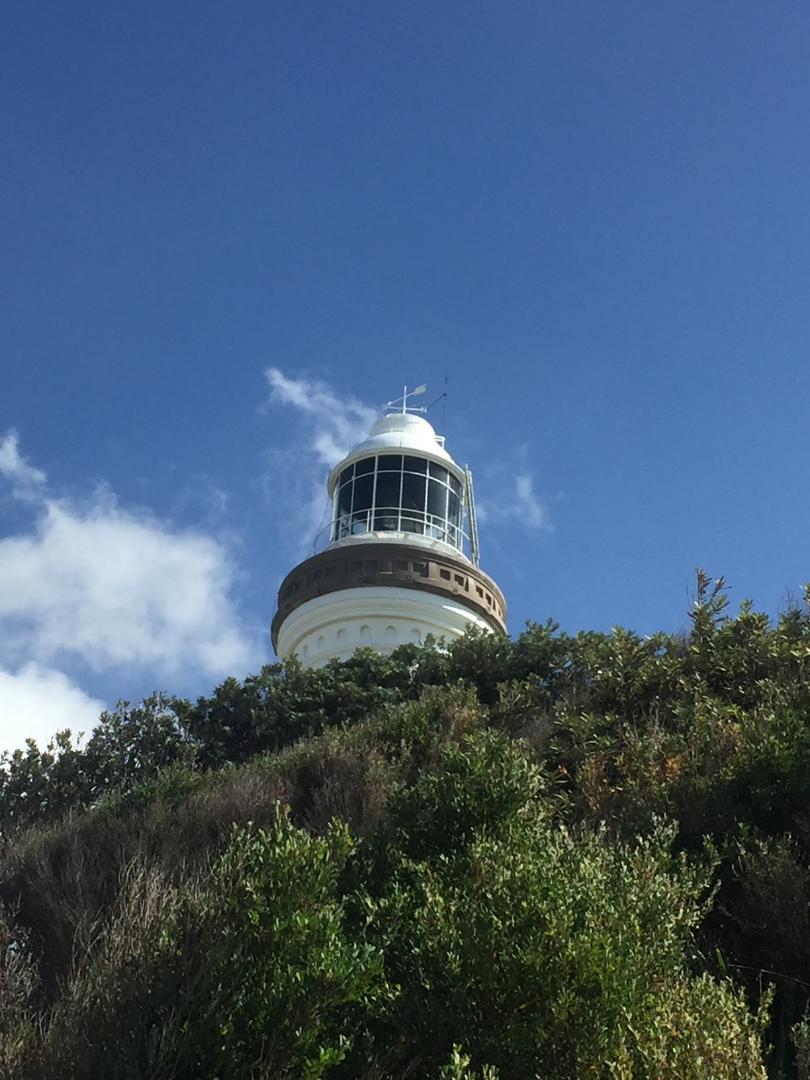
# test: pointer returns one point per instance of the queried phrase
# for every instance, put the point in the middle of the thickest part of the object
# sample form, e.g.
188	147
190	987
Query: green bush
557	954
507	902
242	972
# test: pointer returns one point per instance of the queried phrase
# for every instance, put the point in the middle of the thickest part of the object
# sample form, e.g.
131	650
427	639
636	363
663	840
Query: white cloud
26	482
527	507
512	500
36	702
336	423
330	426
106	588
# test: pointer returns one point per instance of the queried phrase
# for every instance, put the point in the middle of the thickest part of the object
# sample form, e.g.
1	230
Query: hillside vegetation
557	856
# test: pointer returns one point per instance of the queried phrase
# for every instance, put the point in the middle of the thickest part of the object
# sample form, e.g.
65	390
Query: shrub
560	955
241	972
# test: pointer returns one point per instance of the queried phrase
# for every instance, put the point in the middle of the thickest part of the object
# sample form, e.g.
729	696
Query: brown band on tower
400	566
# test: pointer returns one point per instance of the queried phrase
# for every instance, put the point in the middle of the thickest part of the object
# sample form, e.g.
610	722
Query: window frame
349	520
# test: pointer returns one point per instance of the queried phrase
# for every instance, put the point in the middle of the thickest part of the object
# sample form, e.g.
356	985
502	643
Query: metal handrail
360	523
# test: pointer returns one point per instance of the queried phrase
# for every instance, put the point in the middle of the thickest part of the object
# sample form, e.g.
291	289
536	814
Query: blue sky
593	219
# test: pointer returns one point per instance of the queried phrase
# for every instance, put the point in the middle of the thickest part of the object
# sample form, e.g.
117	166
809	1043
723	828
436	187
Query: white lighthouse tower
401	558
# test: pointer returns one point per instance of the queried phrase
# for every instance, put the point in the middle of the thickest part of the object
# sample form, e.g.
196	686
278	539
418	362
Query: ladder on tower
471	518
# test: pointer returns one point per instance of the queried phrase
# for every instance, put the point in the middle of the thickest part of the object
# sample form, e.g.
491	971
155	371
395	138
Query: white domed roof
403	431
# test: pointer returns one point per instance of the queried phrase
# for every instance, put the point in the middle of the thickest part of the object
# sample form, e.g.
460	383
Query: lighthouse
401	555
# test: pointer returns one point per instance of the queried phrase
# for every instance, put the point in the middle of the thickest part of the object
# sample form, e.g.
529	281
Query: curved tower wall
331	627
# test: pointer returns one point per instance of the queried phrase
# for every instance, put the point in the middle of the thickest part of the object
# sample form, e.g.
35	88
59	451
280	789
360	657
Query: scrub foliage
555	856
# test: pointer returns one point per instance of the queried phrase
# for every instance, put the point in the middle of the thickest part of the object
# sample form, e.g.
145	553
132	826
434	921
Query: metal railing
391	519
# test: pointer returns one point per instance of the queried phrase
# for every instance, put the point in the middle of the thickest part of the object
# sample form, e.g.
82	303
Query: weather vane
403	401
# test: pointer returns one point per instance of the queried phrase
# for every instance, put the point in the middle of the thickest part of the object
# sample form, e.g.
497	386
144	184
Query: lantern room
400	480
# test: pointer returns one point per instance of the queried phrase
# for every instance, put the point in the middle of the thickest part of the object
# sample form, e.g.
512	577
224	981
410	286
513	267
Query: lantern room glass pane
455	486
415	464
438	471
365	466
363	491
413	494
389	462
454	509
437	499
346	475
344	503
388	493
343	507
413	503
